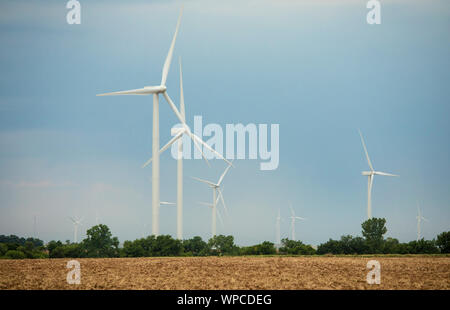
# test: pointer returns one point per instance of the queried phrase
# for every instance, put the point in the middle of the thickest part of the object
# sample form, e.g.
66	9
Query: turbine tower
76	222
155	91
211	205
419	218
216	189
278	228
370	174
179	133
293	219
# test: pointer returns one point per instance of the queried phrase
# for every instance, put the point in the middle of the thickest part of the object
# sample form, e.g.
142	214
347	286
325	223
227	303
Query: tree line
99	242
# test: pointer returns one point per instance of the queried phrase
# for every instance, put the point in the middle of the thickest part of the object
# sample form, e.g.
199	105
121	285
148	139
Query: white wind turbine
155	91
278	228
370	174
293	218
419	218
179	132
76	222
216	188
211	205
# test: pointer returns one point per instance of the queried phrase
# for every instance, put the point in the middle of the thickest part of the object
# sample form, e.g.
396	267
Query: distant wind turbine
216	189
293	219
370	174
76	222
219	216
419	218
278	228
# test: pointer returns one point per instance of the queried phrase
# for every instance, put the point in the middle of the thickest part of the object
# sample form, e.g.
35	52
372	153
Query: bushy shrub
296	248
443	242
195	247
14	254
3	249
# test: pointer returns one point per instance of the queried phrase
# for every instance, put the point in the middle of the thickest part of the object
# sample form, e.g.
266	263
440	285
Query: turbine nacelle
156	89
367	173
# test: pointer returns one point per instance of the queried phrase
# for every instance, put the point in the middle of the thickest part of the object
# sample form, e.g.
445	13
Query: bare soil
225	273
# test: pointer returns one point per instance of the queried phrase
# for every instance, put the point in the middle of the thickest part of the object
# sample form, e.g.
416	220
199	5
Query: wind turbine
278	228
293	219
75	222
156	91
211	205
179	132
216	189
370	174
419	218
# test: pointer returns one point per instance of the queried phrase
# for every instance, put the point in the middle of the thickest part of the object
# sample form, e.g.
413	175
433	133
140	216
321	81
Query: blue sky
314	67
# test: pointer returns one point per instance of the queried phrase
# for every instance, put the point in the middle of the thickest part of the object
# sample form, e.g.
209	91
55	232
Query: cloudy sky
314	67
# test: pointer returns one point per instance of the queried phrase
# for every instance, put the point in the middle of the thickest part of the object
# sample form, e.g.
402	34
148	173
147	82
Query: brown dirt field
224	273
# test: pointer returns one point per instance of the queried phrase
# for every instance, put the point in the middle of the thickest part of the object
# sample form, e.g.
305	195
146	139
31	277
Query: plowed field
228	273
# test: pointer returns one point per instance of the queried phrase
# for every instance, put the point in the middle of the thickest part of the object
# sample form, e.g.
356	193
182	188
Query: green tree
100	243
330	247
296	247
3	249
222	245
196	246
266	248
132	249
443	242
249	250
392	246
422	247
74	250
14	254
373	230
165	245
55	249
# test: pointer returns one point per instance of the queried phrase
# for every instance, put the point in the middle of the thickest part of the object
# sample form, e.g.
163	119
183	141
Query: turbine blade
300	218
204	181
223	174
165	203
165	147
166	67
292	210
211	149
174	108
386	174
182	108
222	200
219	216
205	204
191	135
365	150
139	91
